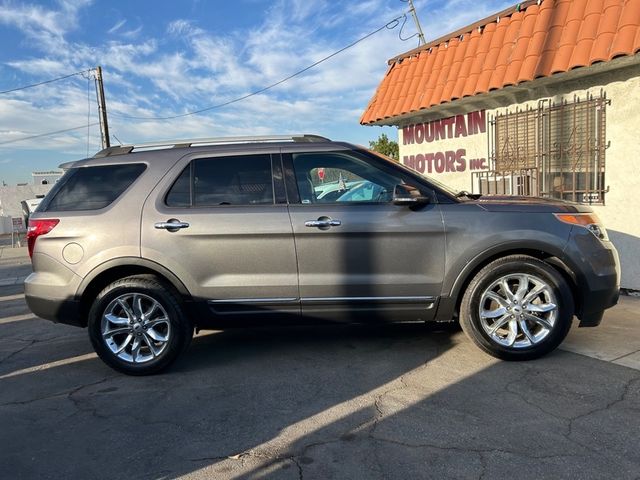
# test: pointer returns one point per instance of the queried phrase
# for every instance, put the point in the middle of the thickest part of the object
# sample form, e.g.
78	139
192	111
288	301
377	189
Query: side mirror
408	195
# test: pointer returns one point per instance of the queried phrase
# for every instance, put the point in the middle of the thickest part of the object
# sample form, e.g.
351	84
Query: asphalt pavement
344	402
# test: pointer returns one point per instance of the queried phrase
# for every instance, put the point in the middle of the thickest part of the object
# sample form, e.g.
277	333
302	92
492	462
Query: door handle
172	225
323	223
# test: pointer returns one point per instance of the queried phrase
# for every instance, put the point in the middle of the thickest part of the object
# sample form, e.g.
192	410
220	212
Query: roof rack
124	149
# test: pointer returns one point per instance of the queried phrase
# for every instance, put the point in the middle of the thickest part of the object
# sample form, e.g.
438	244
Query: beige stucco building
542	99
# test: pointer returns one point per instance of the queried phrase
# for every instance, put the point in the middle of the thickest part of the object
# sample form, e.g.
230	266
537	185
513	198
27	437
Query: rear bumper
50	292
59	311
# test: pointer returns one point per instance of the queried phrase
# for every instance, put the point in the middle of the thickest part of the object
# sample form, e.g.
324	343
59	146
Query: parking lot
355	402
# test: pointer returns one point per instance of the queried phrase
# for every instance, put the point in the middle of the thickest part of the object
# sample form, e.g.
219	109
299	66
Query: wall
49	177
621	213
10	198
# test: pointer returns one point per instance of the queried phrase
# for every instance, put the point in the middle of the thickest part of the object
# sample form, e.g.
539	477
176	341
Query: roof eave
505	96
461	31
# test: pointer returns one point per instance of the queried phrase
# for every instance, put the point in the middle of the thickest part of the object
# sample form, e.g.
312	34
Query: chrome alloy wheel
518	310
135	327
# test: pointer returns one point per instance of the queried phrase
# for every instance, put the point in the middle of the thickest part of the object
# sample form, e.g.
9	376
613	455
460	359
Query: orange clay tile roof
531	40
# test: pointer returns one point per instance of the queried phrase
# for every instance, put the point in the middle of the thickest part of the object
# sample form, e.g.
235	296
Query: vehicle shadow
233	391
564	416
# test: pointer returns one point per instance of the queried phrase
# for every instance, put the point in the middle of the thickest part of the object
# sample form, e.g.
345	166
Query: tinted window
238	180
180	193
90	188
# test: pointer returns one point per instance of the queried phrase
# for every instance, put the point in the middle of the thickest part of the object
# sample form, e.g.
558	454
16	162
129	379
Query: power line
389	25
46	81
414	14
30	137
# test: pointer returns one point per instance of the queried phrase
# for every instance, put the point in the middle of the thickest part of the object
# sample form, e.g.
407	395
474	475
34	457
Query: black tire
539	338
166	319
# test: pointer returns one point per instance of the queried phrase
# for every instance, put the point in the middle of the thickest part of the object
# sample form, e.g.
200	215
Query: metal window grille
556	150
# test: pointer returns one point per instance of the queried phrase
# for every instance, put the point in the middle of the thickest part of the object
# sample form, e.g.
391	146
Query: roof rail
124	149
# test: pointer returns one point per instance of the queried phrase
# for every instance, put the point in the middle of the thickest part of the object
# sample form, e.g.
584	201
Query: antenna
412	9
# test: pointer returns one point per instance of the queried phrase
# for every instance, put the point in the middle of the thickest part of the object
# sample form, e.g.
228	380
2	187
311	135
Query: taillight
39	227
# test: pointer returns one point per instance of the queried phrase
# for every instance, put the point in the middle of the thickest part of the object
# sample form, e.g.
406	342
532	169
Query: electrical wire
389	25
46	81
419	33
404	39
47	134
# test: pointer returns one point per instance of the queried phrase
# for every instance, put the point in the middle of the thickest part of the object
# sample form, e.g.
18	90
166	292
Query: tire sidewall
470	307
158	292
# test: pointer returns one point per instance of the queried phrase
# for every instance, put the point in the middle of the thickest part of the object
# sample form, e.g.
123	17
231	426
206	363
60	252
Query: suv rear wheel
517	308
137	325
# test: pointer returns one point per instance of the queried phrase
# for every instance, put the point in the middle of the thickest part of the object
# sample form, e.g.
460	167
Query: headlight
590	221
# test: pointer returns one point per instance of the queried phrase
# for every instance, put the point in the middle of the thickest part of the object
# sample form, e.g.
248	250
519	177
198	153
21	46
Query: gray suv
143	244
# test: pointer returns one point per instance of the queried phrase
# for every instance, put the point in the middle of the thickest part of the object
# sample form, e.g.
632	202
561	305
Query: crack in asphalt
300	453
17	352
445	448
30	342
272	459
621	398
570	421
483	452
85	404
66	394
376	456
484	463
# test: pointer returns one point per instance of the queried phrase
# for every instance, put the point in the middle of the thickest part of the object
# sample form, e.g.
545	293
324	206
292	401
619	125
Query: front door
359	256
220	223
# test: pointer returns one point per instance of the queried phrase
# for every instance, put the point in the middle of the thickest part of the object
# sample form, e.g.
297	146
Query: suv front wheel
137	325
517	308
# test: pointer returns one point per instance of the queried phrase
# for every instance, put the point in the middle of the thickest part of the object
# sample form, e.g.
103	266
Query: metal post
412	9
102	109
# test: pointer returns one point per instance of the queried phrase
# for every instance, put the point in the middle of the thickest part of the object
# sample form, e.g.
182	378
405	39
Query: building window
554	150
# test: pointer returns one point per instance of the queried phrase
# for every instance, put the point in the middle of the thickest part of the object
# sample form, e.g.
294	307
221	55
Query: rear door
220	223
359	256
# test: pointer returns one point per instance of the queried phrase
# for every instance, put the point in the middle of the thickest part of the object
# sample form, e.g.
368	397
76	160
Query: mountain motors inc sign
451	160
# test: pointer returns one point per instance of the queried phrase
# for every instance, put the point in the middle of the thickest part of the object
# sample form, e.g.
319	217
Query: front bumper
596	266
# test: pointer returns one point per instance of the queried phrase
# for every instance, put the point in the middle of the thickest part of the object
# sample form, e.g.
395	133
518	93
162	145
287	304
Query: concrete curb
8	252
5	282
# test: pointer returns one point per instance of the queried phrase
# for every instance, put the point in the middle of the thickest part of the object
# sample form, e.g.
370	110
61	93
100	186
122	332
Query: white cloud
455	14
117	26
36	66
46	27
181	27
162	77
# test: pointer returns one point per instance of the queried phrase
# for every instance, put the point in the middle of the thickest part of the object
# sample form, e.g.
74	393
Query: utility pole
102	109
412	9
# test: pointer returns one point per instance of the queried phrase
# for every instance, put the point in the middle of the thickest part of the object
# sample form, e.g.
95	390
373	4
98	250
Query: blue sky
162	58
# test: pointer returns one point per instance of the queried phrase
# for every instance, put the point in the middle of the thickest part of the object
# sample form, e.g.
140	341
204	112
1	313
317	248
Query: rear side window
90	188
238	180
